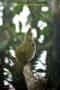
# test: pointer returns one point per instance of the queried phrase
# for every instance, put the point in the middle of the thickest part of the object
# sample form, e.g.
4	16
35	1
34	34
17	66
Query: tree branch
31	82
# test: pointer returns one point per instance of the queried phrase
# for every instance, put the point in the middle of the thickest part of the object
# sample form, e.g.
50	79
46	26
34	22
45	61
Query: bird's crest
29	35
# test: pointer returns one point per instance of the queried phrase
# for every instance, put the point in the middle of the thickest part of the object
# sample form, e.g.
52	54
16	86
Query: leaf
4	38
17	9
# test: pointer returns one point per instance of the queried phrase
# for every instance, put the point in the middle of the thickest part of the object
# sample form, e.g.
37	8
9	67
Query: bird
26	51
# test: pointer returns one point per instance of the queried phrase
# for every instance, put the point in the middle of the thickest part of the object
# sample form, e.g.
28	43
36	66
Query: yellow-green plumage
26	50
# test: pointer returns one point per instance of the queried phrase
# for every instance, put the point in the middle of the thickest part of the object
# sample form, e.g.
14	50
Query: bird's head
29	35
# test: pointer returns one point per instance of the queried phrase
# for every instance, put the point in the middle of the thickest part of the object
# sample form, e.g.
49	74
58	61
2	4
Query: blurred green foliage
10	39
